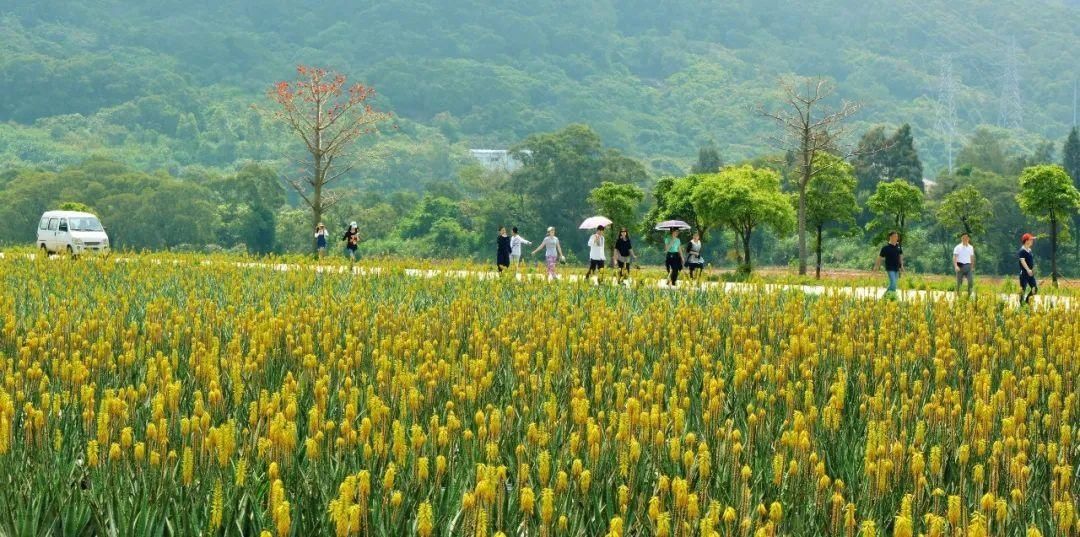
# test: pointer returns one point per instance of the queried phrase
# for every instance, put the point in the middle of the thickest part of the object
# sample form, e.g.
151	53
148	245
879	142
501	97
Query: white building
496	159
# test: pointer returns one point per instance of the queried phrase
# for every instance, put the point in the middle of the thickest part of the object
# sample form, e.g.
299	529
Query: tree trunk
817	272
319	173
316	197
1053	250
804	183
746	249
802	224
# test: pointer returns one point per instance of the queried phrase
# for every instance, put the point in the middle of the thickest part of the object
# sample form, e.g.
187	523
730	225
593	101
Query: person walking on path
1028	286
694	261
893	256
320	240
552	252
597	256
673	257
515	246
502	252
352	240
963	258
623	253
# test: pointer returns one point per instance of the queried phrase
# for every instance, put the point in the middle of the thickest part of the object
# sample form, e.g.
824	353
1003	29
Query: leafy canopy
1047	193
965	210
895	203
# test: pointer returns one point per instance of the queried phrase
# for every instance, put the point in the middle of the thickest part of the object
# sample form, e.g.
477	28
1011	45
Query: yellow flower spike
729	515
527	501
188	466
547	506
776	512
902	527
217	506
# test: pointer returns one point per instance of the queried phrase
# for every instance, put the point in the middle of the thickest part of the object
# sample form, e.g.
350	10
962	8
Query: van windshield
86	223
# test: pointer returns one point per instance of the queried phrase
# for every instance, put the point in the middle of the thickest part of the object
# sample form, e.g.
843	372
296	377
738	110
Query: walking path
727	287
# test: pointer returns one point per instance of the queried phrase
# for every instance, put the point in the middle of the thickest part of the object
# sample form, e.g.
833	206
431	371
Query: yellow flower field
159	399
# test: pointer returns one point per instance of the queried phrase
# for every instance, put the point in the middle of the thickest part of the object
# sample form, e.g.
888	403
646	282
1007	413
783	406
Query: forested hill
163	84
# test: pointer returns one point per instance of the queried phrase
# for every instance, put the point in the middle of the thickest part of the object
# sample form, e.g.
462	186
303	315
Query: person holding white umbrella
673	256
597	259
673	252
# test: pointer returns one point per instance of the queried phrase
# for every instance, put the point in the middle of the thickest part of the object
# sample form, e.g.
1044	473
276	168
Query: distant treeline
569	174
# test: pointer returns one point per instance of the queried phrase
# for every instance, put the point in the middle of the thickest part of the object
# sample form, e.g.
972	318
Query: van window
87	223
63	224
44	224
53	222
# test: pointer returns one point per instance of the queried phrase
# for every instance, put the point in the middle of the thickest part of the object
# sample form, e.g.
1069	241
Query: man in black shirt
893	256
1027	269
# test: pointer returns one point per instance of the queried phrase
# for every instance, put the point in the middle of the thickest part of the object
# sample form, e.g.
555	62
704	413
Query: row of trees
567	174
735	207
151	211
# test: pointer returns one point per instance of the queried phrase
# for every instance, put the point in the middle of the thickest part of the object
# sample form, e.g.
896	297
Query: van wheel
44	251
71	252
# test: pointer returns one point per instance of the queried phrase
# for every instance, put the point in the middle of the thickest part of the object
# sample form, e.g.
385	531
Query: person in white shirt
963	258
597	257
515	247
321	236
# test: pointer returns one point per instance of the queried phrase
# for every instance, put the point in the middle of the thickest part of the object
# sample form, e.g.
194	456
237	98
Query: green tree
902	159
430	210
1047	193
1070	160
708	160
871	159
985	152
74	206
880	158
830	200
1002	229
964	210
250	202
1070	156
743	199
673	201
619	202
895	203
560	170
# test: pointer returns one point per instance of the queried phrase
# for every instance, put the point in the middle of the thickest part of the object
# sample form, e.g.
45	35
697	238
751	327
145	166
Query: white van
71	232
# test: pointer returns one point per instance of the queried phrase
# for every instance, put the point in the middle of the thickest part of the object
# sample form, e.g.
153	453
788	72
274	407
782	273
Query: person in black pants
673	257
352	239
502	254
1028	286
623	254
597	255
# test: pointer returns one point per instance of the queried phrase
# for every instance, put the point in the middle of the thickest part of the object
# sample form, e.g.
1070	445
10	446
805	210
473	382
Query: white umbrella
594	222
672	224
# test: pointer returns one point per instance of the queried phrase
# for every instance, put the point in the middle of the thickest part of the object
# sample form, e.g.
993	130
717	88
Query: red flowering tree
328	116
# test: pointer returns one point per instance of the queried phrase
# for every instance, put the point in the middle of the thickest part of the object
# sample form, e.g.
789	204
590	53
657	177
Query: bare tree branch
807	129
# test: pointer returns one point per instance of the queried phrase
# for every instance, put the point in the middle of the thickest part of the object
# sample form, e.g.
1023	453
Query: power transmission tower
1011	112
946	122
